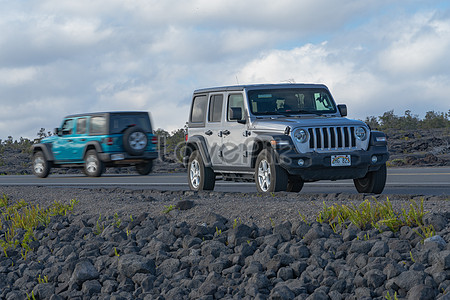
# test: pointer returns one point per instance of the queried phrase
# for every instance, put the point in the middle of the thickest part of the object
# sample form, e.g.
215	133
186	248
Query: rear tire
144	168
41	166
295	184
269	176
373	182
200	177
93	166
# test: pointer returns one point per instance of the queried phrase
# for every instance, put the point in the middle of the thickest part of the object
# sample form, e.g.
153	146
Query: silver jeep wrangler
280	136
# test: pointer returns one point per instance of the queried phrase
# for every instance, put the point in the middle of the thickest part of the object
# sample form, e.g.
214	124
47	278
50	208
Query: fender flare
45	148
198	142
265	141
93	144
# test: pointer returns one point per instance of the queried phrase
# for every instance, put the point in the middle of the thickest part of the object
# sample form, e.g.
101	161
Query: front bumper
317	166
123	157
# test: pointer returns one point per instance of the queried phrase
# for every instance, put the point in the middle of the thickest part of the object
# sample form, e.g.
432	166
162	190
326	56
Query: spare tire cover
135	141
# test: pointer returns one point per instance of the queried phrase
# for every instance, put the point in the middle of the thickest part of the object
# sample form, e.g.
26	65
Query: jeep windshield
289	102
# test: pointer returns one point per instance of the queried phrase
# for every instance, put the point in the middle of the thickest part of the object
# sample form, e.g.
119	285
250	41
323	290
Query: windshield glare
290	101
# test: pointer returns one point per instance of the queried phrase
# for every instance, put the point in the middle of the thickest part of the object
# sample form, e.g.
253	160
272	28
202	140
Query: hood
280	123
49	139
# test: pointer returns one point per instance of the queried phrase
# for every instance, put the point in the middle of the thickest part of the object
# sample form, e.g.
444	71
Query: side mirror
342	109
57	131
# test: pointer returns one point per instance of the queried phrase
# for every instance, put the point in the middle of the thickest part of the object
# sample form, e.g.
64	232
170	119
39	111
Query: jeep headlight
361	133
301	135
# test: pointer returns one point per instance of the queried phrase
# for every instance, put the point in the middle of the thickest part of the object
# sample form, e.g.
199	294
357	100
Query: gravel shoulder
250	208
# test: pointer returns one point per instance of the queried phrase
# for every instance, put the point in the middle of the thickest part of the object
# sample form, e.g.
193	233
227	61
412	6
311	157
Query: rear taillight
154	140
109	141
186	137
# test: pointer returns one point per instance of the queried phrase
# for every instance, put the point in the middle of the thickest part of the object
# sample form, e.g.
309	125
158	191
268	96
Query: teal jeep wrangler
94	141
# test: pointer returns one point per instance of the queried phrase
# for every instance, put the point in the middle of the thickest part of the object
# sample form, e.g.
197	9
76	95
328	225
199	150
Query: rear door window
81	126
97	125
215	108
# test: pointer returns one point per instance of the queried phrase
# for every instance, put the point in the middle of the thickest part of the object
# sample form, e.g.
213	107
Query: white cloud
420	45
408	69
61	57
300	16
17	76
309	63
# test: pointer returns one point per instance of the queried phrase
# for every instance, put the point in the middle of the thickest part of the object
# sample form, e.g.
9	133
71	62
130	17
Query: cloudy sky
61	57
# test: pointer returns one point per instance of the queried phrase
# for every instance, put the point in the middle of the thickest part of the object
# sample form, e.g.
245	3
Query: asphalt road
412	181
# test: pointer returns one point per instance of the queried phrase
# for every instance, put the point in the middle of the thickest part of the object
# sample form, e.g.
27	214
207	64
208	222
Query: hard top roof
259	87
105	113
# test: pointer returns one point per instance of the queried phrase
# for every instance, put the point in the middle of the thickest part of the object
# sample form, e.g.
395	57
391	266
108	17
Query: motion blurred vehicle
94	141
280	136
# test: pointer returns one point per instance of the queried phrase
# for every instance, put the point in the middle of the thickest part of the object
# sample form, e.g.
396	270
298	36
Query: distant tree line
169	143
409	121
23	145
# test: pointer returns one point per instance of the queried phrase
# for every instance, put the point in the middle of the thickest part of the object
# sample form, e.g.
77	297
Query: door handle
209	132
70	141
83	140
246	133
226	132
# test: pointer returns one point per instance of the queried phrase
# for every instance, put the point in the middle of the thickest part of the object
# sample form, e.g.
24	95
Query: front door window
62	147
67	127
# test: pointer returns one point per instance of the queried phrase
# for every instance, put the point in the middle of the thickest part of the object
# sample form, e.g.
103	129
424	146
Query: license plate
117	156
341	160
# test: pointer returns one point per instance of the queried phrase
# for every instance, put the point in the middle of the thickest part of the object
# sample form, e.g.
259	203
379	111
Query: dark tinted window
120	122
215	108
97	125
81	126
198	109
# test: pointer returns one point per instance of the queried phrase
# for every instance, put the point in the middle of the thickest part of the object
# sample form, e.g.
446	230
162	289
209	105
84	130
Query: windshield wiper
274	113
308	112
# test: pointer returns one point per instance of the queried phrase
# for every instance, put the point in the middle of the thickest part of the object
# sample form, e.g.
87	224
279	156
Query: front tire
373	182
144	168
93	166
41	166
269	176
200	177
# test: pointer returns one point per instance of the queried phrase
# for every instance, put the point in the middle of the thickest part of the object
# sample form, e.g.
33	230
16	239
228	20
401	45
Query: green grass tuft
169	208
22	215
376	215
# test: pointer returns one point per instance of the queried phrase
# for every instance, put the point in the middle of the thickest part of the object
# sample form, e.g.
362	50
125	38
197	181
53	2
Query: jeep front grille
332	138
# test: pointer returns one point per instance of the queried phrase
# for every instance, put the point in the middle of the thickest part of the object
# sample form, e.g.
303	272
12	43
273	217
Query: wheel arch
94	145
44	148
198	143
259	145
190	147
